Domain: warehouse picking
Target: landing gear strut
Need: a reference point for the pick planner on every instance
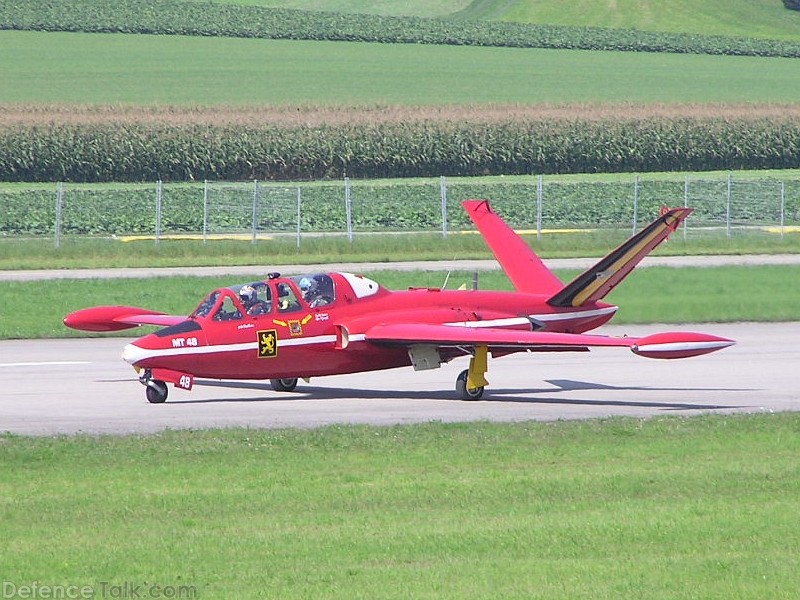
(156, 390)
(284, 385)
(471, 382)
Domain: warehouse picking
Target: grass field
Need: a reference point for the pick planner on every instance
(87, 252)
(765, 18)
(665, 295)
(135, 69)
(664, 508)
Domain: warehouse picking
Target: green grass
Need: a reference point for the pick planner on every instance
(697, 507)
(663, 295)
(138, 69)
(747, 18)
(86, 252)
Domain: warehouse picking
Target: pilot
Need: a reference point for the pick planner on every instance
(309, 289)
(312, 294)
(252, 305)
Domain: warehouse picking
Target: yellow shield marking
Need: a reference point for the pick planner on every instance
(267, 343)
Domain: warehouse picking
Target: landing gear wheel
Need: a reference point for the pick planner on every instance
(463, 391)
(284, 385)
(156, 391)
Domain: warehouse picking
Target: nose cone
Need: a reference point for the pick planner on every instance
(132, 353)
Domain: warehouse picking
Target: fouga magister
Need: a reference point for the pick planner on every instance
(287, 328)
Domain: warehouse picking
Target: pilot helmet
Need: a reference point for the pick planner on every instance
(247, 294)
(307, 284)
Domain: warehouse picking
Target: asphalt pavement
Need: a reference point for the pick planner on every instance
(71, 386)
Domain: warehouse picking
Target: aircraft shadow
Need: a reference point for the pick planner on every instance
(499, 395)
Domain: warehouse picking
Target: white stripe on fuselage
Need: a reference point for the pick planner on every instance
(134, 354)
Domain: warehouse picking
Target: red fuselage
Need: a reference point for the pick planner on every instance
(303, 339)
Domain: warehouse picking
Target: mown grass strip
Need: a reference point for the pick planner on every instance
(76, 252)
(622, 508)
(664, 295)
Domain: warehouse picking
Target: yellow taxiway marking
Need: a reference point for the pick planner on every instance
(786, 229)
(241, 237)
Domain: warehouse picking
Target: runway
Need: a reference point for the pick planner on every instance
(82, 386)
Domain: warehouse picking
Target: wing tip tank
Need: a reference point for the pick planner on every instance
(682, 344)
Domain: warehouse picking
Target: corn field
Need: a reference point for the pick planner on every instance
(136, 151)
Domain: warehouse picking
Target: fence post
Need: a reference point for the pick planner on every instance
(205, 211)
(635, 202)
(348, 209)
(299, 201)
(443, 192)
(783, 206)
(256, 193)
(539, 203)
(728, 206)
(685, 204)
(158, 211)
(59, 205)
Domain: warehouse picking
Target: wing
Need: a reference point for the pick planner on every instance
(116, 318)
(660, 345)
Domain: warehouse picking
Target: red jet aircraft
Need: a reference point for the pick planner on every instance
(285, 328)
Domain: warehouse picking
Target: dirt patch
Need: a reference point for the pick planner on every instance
(304, 116)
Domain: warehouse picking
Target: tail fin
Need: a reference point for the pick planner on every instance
(525, 270)
(599, 280)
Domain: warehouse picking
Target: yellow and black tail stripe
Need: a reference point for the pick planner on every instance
(595, 283)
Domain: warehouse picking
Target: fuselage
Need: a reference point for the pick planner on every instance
(303, 337)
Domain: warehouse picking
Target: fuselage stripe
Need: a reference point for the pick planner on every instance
(134, 354)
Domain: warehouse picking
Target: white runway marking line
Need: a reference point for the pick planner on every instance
(53, 363)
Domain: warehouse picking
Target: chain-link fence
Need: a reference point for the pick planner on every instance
(724, 205)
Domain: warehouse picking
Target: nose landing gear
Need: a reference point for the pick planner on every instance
(156, 390)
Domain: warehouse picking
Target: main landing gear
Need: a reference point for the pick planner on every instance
(156, 390)
(284, 385)
(471, 382)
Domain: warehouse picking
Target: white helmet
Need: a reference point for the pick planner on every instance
(307, 284)
(247, 294)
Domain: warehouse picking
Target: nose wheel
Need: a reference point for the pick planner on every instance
(155, 391)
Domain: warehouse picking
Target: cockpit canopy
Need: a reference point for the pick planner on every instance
(278, 295)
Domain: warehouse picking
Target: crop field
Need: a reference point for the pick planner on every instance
(397, 8)
(76, 68)
(719, 200)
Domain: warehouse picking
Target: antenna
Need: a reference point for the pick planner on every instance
(447, 277)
